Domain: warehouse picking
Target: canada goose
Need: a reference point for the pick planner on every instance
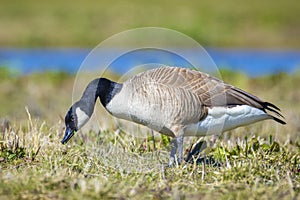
(174, 101)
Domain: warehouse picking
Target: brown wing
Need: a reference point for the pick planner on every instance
(211, 91)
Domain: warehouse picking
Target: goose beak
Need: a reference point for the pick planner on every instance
(68, 134)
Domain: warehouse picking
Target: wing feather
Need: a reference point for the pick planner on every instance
(210, 90)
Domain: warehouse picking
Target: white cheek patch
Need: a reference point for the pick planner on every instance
(82, 118)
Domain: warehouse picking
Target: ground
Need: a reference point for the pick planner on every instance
(260, 161)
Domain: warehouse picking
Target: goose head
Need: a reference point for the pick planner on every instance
(75, 119)
(81, 111)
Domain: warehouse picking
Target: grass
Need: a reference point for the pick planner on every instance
(99, 165)
(257, 161)
(264, 24)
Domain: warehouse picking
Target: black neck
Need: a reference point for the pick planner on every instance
(103, 88)
(107, 89)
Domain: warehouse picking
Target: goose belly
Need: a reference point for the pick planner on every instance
(220, 119)
(144, 113)
(157, 106)
(132, 106)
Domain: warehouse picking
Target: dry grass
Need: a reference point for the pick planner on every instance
(258, 161)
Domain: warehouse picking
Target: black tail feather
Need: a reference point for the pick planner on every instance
(271, 105)
(274, 109)
(254, 101)
(278, 120)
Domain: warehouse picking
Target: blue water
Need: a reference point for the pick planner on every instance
(249, 61)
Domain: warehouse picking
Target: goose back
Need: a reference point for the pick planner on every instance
(167, 99)
(211, 91)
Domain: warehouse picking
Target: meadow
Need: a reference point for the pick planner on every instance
(260, 161)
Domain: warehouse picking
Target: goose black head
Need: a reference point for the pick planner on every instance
(82, 110)
(74, 120)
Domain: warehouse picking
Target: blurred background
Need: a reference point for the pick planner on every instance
(256, 45)
(253, 24)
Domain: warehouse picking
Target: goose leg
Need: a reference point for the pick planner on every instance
(180, 149)
(176, 149)
(173, 152)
